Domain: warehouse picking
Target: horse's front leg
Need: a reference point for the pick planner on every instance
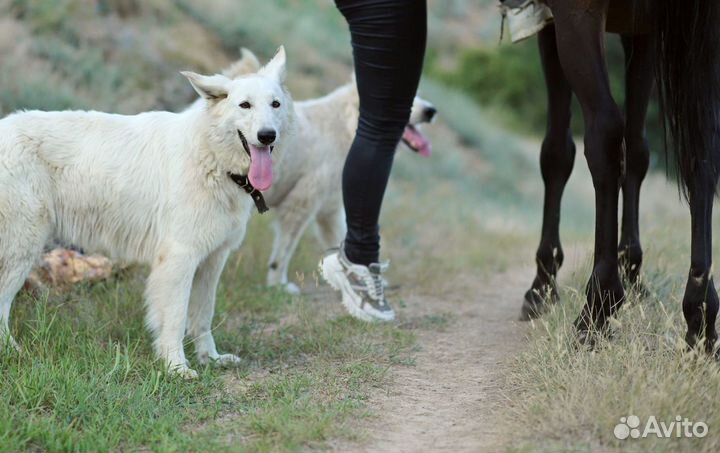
(581, 45)
(557, 157)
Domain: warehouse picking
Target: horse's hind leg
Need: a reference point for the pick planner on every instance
(580, 35)
(700, 303)
(557, 157)
(638, 84)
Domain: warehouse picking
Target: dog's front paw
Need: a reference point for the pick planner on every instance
(184, 372)
(227, 360)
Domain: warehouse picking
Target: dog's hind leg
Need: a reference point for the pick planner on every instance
(293, 216)
(202, 309)
(330, 226)
(557, 157)
(166, 296)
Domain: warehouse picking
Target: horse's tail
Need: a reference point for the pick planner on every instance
(687, 34)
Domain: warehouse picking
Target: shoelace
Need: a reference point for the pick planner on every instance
(374, 284)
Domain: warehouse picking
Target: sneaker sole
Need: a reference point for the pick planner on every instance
(330, 274)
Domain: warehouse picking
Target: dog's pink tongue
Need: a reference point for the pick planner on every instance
(417, 141)
(260, 167)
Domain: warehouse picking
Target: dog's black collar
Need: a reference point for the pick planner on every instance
(256, 195)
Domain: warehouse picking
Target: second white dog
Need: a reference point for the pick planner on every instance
(308, 188)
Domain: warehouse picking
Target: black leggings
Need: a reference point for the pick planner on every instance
(388, 39)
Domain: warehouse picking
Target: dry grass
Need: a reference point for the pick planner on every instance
(570, 398)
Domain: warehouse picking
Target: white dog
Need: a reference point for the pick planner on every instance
(309, 187)
(156, 188)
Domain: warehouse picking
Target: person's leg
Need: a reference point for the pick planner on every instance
(388, 39)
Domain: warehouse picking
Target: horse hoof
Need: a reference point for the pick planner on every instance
(529, 311)
(696, 344)
(592, 338)
(534, 305)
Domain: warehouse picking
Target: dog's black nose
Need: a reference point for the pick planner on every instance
(267, 136)
(429, 113)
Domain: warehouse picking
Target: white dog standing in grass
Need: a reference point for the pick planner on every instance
(308, 189)
(152, 188)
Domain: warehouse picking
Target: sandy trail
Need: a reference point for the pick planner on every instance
(453, 399)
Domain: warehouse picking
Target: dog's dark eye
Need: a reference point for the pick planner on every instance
(275, 104)
(245, 105)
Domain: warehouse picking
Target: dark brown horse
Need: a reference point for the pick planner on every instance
(679, 43)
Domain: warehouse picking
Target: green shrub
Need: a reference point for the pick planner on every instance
(47, 17)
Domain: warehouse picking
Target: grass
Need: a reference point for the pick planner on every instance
(570, 399)
(86, 382)
(82, 384)
(87, 379)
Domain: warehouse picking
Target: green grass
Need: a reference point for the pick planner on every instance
(87, 380)
(81, 383)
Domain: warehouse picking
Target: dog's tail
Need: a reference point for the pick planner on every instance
(687, 34)
(247, 64)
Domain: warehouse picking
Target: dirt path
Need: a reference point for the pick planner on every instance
(452, 399)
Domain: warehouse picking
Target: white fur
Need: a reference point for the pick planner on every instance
(309, 174)
(150, 188)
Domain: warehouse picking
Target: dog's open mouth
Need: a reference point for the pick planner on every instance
(416, 141)
(261, 173)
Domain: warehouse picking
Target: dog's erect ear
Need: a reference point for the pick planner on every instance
(276, 67)
(250, 59)
(247, 64)
(209, 87)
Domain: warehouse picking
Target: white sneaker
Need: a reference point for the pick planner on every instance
(527, 19)
(361, 286)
